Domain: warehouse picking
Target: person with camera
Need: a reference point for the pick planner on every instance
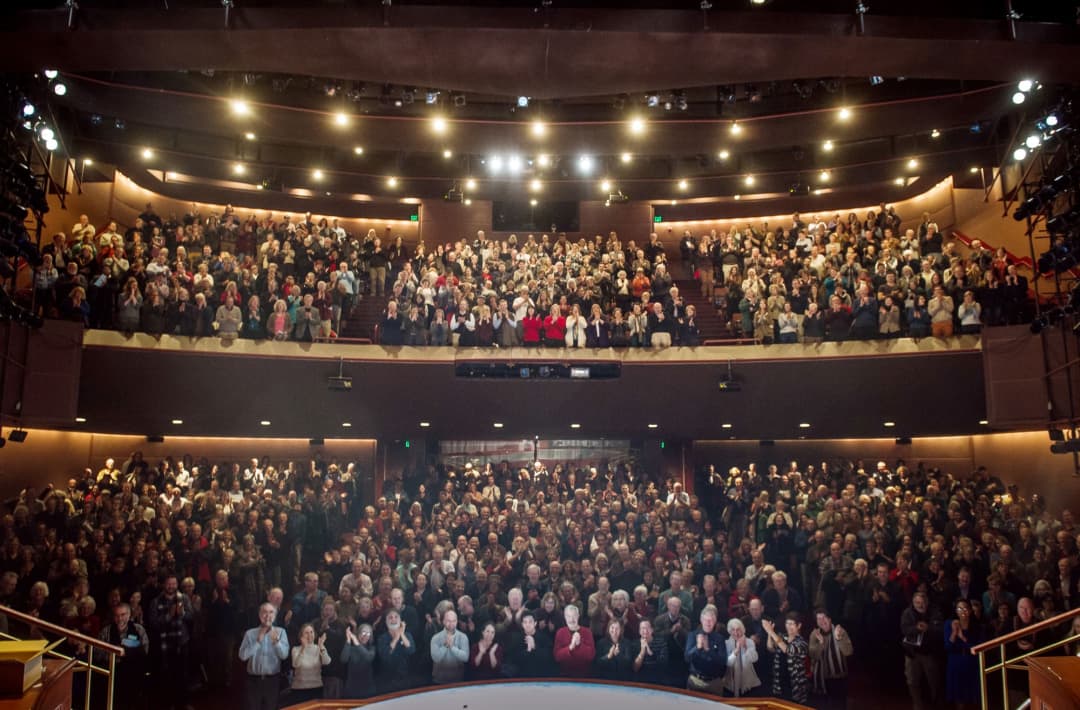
(171, 615)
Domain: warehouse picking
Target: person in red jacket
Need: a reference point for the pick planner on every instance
(530, 328)
(574, 646)
(555, 329)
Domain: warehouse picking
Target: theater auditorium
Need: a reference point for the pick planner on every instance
(540, 353)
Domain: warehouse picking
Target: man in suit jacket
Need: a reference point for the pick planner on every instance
(307, 320)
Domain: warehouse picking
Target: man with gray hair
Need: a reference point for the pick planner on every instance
(263, 649)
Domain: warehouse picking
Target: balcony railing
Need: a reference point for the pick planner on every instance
(996, 649)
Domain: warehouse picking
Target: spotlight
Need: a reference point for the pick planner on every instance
(877, 80)
(523, 102)
(495, 164)
(935, 133)
(900, 181)
(1052, 120)
(47, 134)
(748, 180)
(88, 161)
(1026, 85)
(637, 125)
(535, 185)
(543, 160)
(448, 154)
(724, 154)
(470, 184)
(514, 164)
(683, 185)
(585, 164)
(317, 174)
(51, 74)
(605, 185)
(249, 136)
(1032, 141)
(239, 169)
(626, 157)
(844, 114)
(60, 89)
(240, 107)
(147, 153)
(438, 124)
(538, 128)
(358, 150)
(1019, 154)
(912, 164)
(391, 182)
(28, 110)
(827, 146)
(1019, 97)
(736, 129)
(341, 118)
(119, 123)
(534, 202)
(51, 145)
(825, 176)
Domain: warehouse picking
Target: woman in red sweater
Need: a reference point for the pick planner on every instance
(574, 647)
(555, 329)
(530, 328)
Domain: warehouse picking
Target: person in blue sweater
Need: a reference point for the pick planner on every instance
(706, 655)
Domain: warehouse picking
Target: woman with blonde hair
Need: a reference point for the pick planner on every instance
(575, 328)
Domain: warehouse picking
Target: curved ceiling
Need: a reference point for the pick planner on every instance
(929, 98)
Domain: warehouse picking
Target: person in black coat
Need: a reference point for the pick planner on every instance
(597, 334)
(689, 333)
(529, 652)
(390, 328)
(613, 660)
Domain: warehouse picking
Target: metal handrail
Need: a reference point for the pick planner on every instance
(71, 635)
(1006, 663)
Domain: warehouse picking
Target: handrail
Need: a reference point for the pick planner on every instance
(335, 339)
(1026, 631)
(60, 630)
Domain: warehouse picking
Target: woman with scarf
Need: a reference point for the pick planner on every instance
(830, 647)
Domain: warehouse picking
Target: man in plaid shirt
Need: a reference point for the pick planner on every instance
(170, 620)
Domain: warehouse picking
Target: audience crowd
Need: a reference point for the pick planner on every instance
(298, 279)
(764, 581)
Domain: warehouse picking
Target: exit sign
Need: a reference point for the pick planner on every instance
(658, 218)
(414, 218)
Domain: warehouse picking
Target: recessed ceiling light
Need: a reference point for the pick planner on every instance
(317, 174)
(391, 182)
(265, 422)
(683, 184)
(470, 184)
(1019, 154)
(1019, 97)
(935, 133)
(80, 420)
(497, 425)
(984, 422)
(575, 425)
(543, 160)
(346, 424)
(238, 169)
(1025, 85)
(341, 118)
(438, 124)
(725, 426)
(912, 164)
(736, 129)
(637, 125)
(514, 164)
(467, 202)
(626, 157)
(87, 161)
(534, 202)
(178, 422)
(654, 426)
(585, 164)
(844, 114)
(538, 128)
(448, 154)
(52, 74)
(425, 425)
(749, 180)
(890, 424)
(605, 185)
(825, 176)
(900, 181)
(249, 136)
(804, 425)
(827, 146)
(147, 153)
(737, 197)
(724, 154)
(535, 185)
(240, 107)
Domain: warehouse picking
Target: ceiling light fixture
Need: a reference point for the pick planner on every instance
(265, 422)
(543, 160)
(346, 425)
(724, 154)
(825, 176)
(683, 185)
(341, 118)
(147, 154)
(51, 74)
(438, 124)
(497, 425)
(317, 174)
(575, 425)
(605, 185)
(80, 420)
(538, 128)
(637, 125)
(653, 426)
(535, 185)
(749, 180)
(425, 425)
(1019, 154)
(736, 128)
(240, 107)
(626, 157)
(177, 422)
(844, 114)
(900, 181)
(889, 424)
(448, 154)
(804, 425)
(533, 202)
(585, 164)
(514, 164)
(1019, 97)
(1026, 85)
(495, 164)
(358, 150)
(935, 133)
(912, 164)
(391, 182)
(60, 89)
(249, 136)
(1033, 141)
(827, 146)
(238, 169)
(470, 184)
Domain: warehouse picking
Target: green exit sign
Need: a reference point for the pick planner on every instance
(658, 218)
(414, 218)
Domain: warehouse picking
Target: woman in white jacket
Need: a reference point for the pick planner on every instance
(575, 328)
(740, 677)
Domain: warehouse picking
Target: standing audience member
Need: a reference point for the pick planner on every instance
(262, 651)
